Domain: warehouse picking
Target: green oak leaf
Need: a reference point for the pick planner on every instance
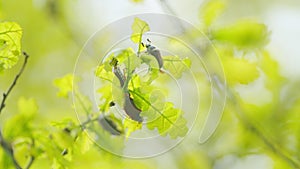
(10, 44)
(170, 121)
(129, 59)
(131, 126)
(104, 73)
(65, 85)
(160, 114)
(139, 27)
(176, 66)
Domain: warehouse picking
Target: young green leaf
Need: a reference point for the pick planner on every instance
(170, 121)
(131, 126)
(239, 71)
(167, 119)
(245, 34)
(106, 97)
(20, 124)
(176, 66)
(83, 143)
(129, 59)
(10, 48)
(103, 73)
(139, 27)
(272, 70)
(65, 85)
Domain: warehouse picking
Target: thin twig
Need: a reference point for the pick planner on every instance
(30, 162)
(4, 144)
(9, 150)
(5, 95)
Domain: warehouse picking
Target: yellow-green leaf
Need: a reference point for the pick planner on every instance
(239, 71)
(10, 46)
(139, 27)
(176, 66)
(169, 121)
(104, 74)
(131, 126)
(272, 70)
(244, 34)
(20, 124)
(65, 85)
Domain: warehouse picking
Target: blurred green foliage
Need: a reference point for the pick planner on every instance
(42, 128)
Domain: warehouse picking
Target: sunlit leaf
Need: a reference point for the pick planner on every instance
(131, 126)
(65, 85)
(63, 139)
(22, 151)
(139, 27)
(176, 66)
(134, 83)
(104, 74)
(169, 121)
(151, 75)
(272, 70)
(243, 34)
(129, 59)
(239, 71)
(20, 124)
(106, 97)
(10, 46)
(83, 143)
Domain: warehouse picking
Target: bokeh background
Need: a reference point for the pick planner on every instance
(54, 32)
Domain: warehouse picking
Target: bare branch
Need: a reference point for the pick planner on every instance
(4, 144)
(9, 150)
(5, 95)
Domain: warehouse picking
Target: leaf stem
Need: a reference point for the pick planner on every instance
(32, 158)
(87, 110)
(82, 125)
(140, 41)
